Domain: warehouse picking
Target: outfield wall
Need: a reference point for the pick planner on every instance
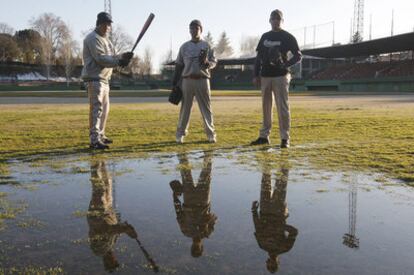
(394, 84)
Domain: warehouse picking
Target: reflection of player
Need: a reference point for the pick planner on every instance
(104, 227)
(193, 214)
(272, 233)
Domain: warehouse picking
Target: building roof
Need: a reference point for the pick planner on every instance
(397, 43)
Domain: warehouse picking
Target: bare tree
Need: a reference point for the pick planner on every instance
(135, 66)
(147, 62)
(4, 28)
(53, 31)
(121, 41)
(248, 46)
(223, 48)
(209, 39)
(68, 50)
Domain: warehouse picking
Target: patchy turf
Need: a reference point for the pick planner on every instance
(368, 134)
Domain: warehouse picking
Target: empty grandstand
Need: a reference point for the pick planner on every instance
(384, 64)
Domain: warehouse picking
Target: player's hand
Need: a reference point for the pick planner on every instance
(127, 55)
(130, 231)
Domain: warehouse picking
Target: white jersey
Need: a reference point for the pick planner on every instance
(189, 57)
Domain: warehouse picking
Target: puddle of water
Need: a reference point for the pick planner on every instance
(205, 213)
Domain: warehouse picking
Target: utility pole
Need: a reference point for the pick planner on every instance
(358, 34)
(350, 239)
(370, 26)
(107, 6)
(108, 9)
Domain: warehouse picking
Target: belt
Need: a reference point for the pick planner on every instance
(195, 76)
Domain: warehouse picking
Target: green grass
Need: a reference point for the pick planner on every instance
(330, 134)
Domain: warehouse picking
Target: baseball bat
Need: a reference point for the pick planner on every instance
(144, 29)
(151, 261)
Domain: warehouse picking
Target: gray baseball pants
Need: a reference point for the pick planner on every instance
(200, 89)
(279, 88)
(98, 93)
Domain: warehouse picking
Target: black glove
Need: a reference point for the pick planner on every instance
(127, 55)
(202, 57)
(175, 97)
(125, 59)
(275, 58)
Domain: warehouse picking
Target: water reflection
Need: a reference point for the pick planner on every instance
(104, 224)
(273, 234)
(194, 211)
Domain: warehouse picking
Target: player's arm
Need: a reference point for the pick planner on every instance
(97, 49)
(297, 55)
(212, 61)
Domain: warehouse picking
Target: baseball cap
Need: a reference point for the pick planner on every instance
(277, 13)
(196, 22)
(103, 17)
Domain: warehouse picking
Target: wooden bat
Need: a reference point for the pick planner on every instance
(144, 29)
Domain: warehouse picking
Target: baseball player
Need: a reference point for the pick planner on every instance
(104, 226)
(272, 73)
(99, 58)
(194, 213)
(194, 62)
(273, 234)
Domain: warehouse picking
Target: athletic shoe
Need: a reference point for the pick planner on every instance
(284, 143)
(179, 140)
(106, 140)
(212, 140)
(98, 146)
(260, 141)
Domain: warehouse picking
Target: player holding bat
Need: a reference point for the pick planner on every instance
(194, 62)
(99, 59)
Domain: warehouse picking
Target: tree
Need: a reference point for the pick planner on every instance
(223, 48)
(147, 62)
(209, 39)
(68, 50)
(29, 42)
(248, 46)
(53, 31)
(135, 66)
(4, 28)
(121, 41)
(167, 71)
(9, 50)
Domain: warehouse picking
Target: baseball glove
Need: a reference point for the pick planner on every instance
(202, 57)
(176, 95)
(275, 57)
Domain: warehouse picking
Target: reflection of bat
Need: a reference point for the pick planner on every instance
(150, 260)
(144, 29)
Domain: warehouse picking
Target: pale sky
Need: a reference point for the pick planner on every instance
(239, 18)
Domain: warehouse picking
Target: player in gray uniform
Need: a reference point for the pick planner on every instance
(104, 225)
(194, 214)
(194, 62)
(99, 59)
(272, 73)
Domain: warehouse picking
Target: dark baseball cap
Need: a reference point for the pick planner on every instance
(196, 22)
(277, 14)
(103, 17)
